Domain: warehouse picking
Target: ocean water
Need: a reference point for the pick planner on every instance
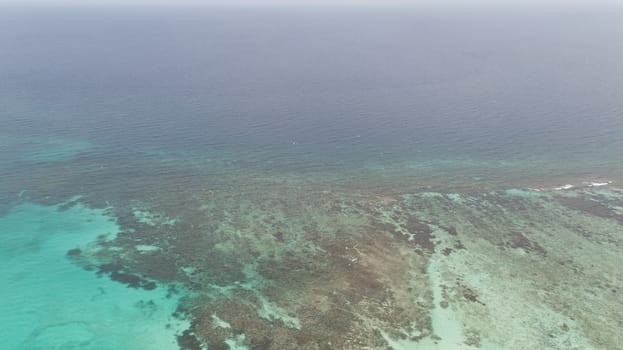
(311, 178)
(50, 303)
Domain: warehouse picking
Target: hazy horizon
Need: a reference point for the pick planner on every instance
(324, 3)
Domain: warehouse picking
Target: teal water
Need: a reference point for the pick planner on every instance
(365, 179)
(48, 302)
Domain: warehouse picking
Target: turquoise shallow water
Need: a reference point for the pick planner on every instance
(48, 302)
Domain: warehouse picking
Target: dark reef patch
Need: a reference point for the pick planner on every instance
(459, 245)
(116, 273)
(68, 205)
(469, 294)
(188, 341)
(279, 236)
(591, 206)
(74, 252)
(519, 240)
(422, 235)
(450, 229)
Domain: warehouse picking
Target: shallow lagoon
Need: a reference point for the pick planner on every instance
(48, 302)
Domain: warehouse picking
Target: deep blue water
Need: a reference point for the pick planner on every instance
(307, 89)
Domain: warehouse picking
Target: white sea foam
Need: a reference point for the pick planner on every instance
(599, 184)
(583, 184)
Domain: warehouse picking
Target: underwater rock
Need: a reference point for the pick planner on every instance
(74, 252)
(188, 341)
(114, 271)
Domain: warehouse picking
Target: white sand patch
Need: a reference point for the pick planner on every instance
(271, 311)
(455, 197)
(217, 322)
(237, 342)
(447, 325)
(152, 219)
(144, 248)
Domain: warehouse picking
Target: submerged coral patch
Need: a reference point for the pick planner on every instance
(291, 275)
(263, 269)
(116, 273)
